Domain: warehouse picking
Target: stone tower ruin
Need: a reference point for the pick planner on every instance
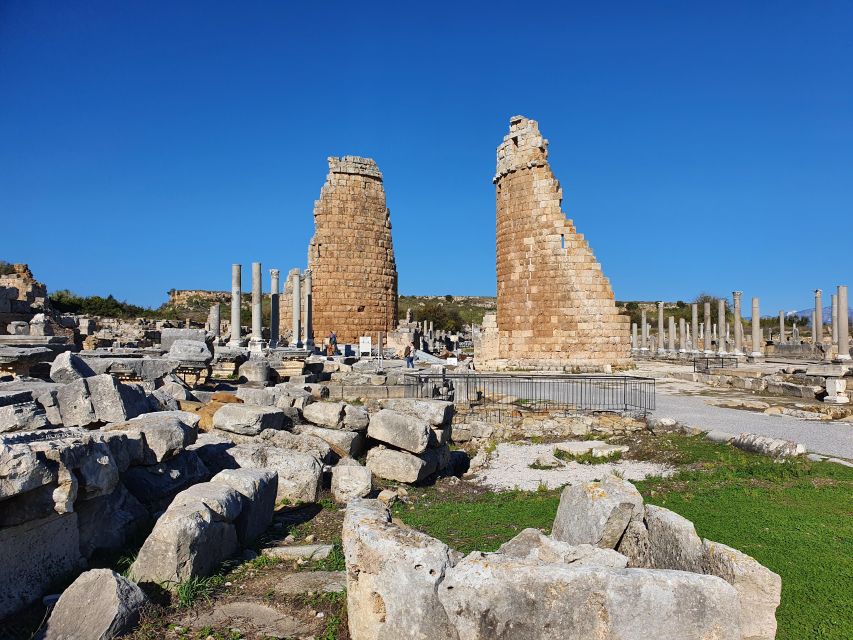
(555, 307)
(351, 256)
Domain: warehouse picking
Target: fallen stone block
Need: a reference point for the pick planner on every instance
(597, 513)
(768, 446)
(759, 589)
(532, 544)
(304, 442)
(68, 367)
(400, 430)
(124, 514)
(351, 481)
(673, 543)
(154, 484)
(164, 434)
(295, 552)
(402, 466)
(99, 605)
(169, 335)
(343, 443)
(355, 418)
(312, 582)
(324, 414)
(34, 556)
(190, 351)
(435, 412)
(258, 488)
(24, 416)
(299, 474)
(719, 436)
(245, 419)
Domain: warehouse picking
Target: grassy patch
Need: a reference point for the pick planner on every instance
(191, 591)
(793, 517)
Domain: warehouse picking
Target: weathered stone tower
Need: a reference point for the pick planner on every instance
(555, 307)
(351, 255)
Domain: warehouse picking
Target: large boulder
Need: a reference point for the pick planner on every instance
(164, 434)
(436, 412)
(356, 418)
(351, 481)
(99, 605)
(304, 442)
(324, 414)
(597, 513)
(246, 419)
(97, 399)
(124, 513)
(168, 336)
(190, 351)
(257, 488)
(68, 367)
(400, 430)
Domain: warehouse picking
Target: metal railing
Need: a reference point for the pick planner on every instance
(704, 364)
(495, 395)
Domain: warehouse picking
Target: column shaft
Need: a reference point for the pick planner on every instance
(274, 306)
(694, 326)
(660, 327)
(721, 326)
(756, 329)
(707, 337)
(309, 311)
(257, 301)
(736, 295)
(236, 295)
(296, 340)
(843, 324)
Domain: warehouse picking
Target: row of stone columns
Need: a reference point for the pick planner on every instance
(256, 341)
(840, 337)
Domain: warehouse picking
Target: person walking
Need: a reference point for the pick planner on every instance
(409, 354)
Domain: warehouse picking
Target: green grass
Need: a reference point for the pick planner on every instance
(793, 517)
(191, 591)
(586, 458)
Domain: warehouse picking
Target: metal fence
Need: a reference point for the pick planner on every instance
(704, 364)
(495, 396)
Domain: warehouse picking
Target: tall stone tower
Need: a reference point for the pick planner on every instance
(555, 307)
(351, 256)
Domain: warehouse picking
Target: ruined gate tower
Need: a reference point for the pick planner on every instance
(555, 307)
(351, 256)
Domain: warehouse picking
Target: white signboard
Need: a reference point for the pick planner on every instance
(364, 346)
(453, 361)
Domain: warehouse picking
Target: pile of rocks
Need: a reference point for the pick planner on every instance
(612, 568)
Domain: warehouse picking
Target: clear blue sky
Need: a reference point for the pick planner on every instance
(701, 146)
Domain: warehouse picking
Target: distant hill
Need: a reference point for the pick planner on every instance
(827, 314)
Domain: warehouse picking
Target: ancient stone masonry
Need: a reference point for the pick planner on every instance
(555, 307)
(351, 256)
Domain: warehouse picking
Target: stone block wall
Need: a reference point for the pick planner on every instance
(351, 255)
(555, 306)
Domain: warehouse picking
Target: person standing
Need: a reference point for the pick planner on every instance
(409, 354)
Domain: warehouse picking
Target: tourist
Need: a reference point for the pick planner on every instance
(409, 354)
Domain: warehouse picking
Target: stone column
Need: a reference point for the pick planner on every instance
(309, 311)
(843, 324)
(296, 339)
(634, 344)
(257, 339)
(756, 329)
(215, 320)
(818, 316)
(694, 326)
(661, 348)
(736, 295)
(274, 302)
(721, 325)
(671, 340)
(707, 335)
(834, 320)
(682, 335)
(644, 326)
(781, 327)
(236, 295)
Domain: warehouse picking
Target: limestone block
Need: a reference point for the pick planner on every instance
(673, 543)
(124, 513)
(248, 419)
(355, 418)
(597, 513)
(532, 544)
(351, 481)
(163, 434)
(436, 412)
(33, 556)
(324, 414)
(153, 483)
(190, 351)
(400, 430)
(110, 604)
(304, 442)
(299, 474)
(343, 443)
(68, 367)
(258, 489)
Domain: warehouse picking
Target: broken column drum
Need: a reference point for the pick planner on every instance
(351, 256)
(555, 307)
(236, 294)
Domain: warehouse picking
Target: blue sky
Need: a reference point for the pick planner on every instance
(701, 146)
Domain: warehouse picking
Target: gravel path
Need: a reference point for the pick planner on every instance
(508, 468)
(826, 438)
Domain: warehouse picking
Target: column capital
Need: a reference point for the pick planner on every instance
(737, 294)
(275, 273)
